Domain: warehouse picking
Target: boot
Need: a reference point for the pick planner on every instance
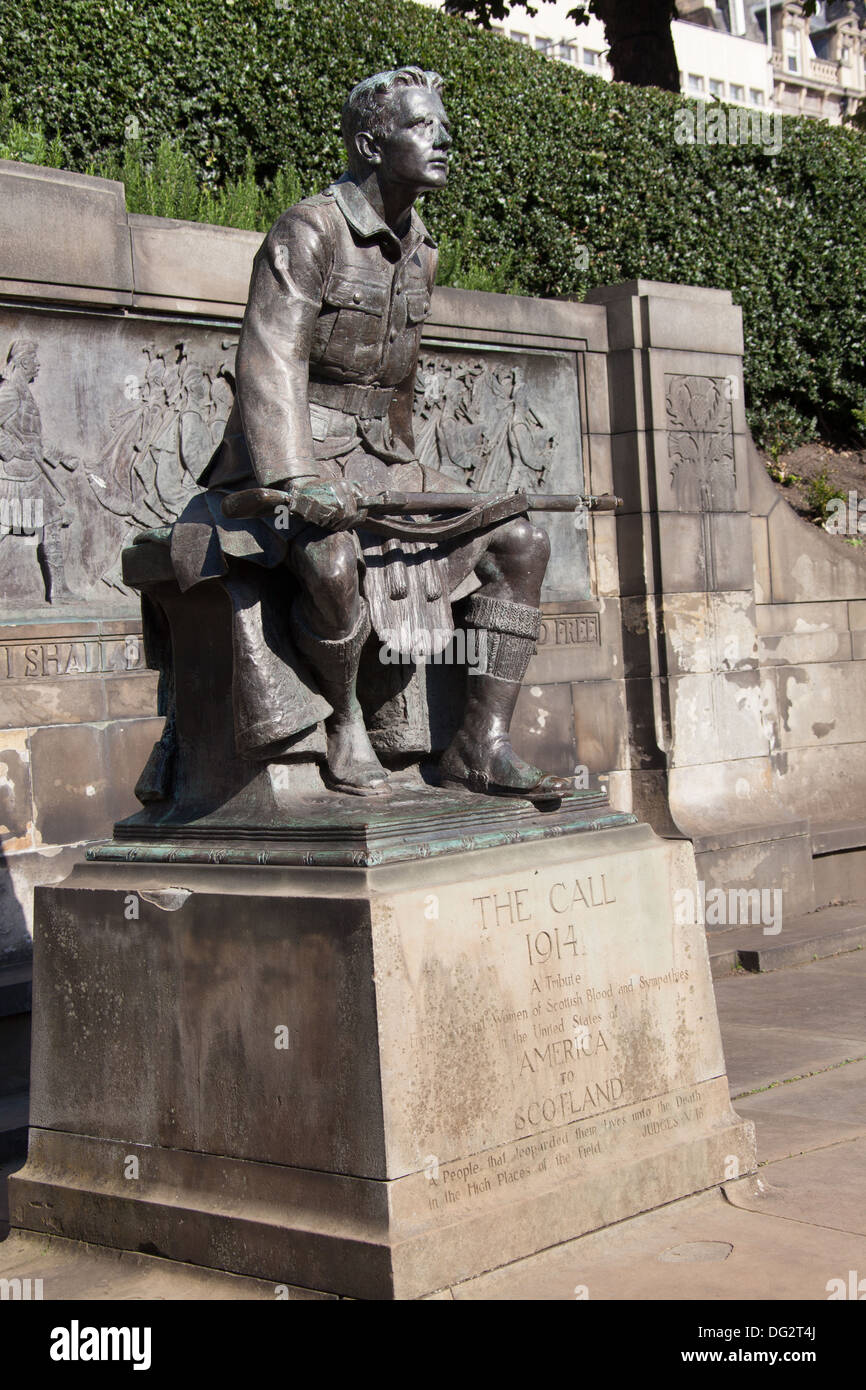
(53, 566)
(352, 766)
(480, 755)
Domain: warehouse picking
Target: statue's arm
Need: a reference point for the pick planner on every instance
(400, 414)
(273, 357)
(403, 404)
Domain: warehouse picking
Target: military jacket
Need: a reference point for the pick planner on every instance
(336, 300)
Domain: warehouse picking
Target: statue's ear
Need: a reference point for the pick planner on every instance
(368, 149)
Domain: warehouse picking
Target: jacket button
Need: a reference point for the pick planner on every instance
(426, 307)
(356, 297)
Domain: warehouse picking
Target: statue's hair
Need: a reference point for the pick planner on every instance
(366, 106)
(22, 347)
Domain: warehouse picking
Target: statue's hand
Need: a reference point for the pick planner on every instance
(331, 505)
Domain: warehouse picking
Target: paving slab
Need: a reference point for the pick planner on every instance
(71, 1271)
(703, 1248)
(826, 996)
(757, 1057)
(793, 1022)
(814, 1113)
(824, 1189)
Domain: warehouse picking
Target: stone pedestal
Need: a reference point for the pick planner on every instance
(374, 1081)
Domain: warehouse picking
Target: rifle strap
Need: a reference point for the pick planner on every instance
(474, 519)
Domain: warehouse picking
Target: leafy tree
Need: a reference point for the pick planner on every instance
(638, 32)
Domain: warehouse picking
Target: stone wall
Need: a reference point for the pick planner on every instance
(703, 647)
(745, 666)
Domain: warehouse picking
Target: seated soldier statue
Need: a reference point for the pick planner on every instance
(325, 384)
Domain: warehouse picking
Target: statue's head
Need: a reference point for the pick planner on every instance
(394, 124)
(22, 354)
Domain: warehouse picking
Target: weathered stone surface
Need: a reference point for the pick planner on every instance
(710, 632)
(819, 704)
(16, 796)
(717, 717)
(514, 1050)
(542, 713)
(775, 866)
(598, 462)
(840, 877)
(807, 564)
(178, 262)
(601, 725)
(18, 875)
(761, 555)
(597, 403)
(798, 633)
(91, 248)
(84, 774)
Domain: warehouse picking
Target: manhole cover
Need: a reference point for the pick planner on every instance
(697, 1251)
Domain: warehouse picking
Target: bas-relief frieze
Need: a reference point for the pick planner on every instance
(103, 434)
(499, 421)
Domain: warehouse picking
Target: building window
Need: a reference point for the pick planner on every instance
(717, 88)
(543, 44)
(738, 93)
(792, 61)
(696, 83)
(846, 55)
(756, 96)
(591, 57)
(518, 38)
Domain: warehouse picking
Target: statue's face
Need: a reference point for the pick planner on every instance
(415, 150)
(29, 366)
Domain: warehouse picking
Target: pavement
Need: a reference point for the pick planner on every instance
(795, 1043)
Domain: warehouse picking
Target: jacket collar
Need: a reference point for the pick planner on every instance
(363, 218)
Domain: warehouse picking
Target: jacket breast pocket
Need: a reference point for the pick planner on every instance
(350, 324)
(417, 306)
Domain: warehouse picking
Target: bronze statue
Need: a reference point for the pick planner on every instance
(326, 369)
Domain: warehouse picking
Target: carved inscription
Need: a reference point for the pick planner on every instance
(570, 630)
(588, 1013)
(84, 656)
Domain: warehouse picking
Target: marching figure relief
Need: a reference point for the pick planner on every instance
(31, 501)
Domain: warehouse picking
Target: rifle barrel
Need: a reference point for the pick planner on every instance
(463, 501)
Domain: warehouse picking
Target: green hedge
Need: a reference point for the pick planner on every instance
(547, 159)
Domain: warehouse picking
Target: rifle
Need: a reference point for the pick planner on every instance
(477, 509)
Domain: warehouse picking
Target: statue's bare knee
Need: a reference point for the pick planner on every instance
(328, 570)
(516, 559)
